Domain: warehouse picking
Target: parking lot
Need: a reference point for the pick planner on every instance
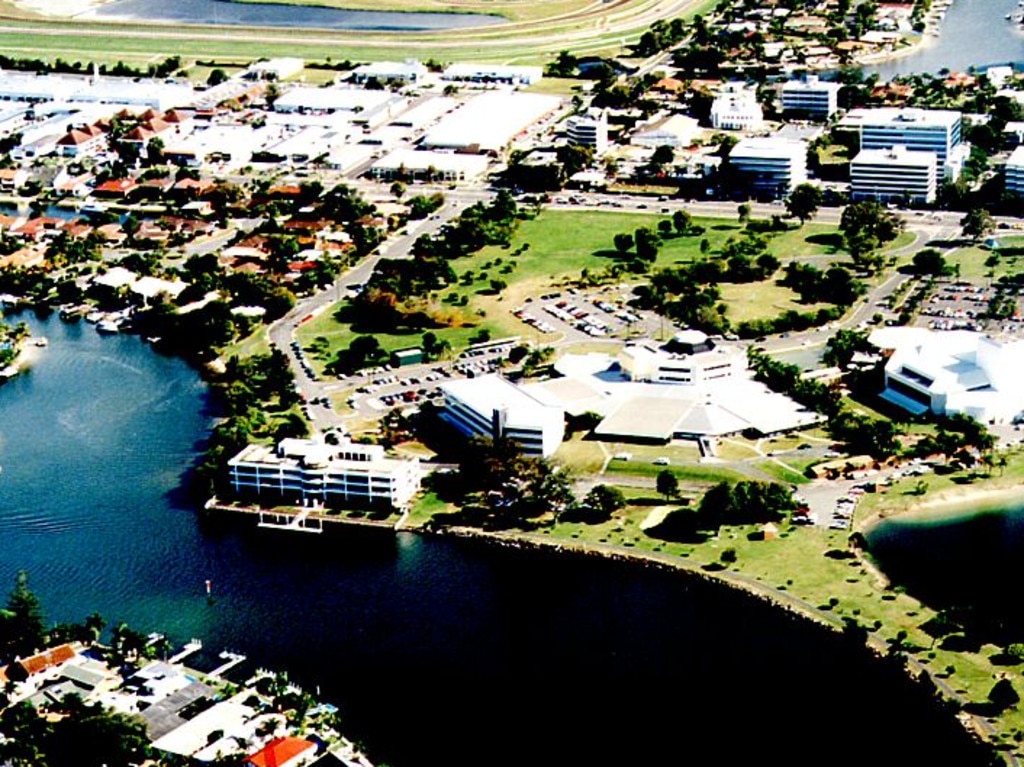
(579, 314)
(965, 306)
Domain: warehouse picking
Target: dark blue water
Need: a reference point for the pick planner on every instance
(437, 651)
(282, 15)
(971, 559)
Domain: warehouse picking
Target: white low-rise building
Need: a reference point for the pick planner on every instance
(675, 131)
(494, 73)
(489, 122)
(410, 164)
(344, 475)
(955, 371)
(689, 358)
(490, 406)
(772, 166)
(409, 71)
(736, 108)
(895, 174)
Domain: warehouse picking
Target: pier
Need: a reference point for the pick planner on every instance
(303, 519)
(232, 659)
(192, 647)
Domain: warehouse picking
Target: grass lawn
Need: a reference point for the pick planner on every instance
(971, 261)
(761, 300)
(780, 472)
(559, 246)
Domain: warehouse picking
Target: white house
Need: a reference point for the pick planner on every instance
(736, 108)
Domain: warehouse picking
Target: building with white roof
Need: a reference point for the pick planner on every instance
(772, 166)
(955, 371)
(491, 406)
(338, 476)
(275, 69)
(1014, 172)
(409, 71)
(589, 129)
(490, 121)
(736, 108)
(812, 98)
(228, 145)
(689, 358)
(365, 107)
(895, 174)
(919, 130)
(675, 131)
(494, 73)
(711, 403)
(430, 166)
(425, 112)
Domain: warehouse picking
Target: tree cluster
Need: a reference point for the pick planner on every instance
(834, 286)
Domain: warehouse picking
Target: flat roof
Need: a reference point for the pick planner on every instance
(490, 120)
(485, 394)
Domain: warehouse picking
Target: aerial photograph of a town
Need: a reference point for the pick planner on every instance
(511, 383)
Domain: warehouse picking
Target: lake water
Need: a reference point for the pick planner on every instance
(438, 651)
(966, 558)
(283, 15)
(973, 33)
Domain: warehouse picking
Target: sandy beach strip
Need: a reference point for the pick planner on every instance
(953, 501)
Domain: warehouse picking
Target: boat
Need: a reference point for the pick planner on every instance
(108, 326)
(41, 341)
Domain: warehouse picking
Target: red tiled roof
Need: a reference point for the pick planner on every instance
(280, 751)
(44, 660)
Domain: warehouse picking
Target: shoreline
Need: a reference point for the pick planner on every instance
(949, 502)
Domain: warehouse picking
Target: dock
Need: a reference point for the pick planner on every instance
(232, 659)
(303, 519)
(193, 646)
(269, 519)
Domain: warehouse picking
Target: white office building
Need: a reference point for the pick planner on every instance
(1014, 172)
(770, 166)
(491, 406)
(956, 371)
(689, 358)
(919, 130)
(736, 108)
(812, 98)
(895, 174)
(338, 476)
(589, 129)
